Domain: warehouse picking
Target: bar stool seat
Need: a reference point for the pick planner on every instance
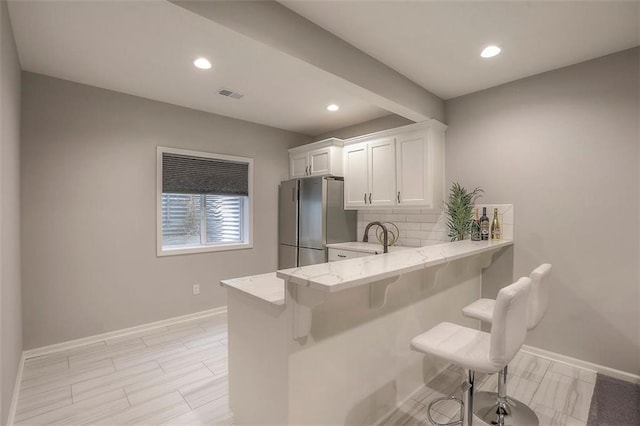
(463, 346)
(481, 309)
(479, 351)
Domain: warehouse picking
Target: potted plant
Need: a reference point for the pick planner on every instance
(459, 210)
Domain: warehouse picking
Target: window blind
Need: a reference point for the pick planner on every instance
(183, 174)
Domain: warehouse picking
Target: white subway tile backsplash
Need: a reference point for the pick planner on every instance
(425, 227)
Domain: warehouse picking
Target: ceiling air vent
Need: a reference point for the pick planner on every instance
(230, 94)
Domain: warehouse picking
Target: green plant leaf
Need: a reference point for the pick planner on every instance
(459, 210)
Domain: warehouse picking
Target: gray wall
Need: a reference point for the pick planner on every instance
(10, 292)
(563, 147)
(371, 126)
(89, 209)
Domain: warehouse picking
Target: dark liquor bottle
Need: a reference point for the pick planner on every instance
(495, 226)
(484, 225)
(475, 227)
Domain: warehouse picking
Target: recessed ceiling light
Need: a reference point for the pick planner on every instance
(490, 51)
(202, 63)
(333, 107)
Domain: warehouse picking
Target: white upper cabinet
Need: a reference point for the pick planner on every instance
(370, 173)
(316, 159)
(298, 165)
(356, 188)
(382, 172)
(404, 168)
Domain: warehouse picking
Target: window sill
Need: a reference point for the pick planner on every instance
(202, 249)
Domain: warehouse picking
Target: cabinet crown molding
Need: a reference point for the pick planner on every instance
(316, 145)
(423, 125)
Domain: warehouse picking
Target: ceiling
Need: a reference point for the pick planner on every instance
(146, 48)
(437, 44)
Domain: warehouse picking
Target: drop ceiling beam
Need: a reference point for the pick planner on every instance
(278, 27)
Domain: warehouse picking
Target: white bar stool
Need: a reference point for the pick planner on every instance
(491, 406)
(478, 351)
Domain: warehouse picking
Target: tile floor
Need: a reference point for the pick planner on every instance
(178, 375)
(175, 374)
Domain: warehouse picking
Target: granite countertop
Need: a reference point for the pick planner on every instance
(336, 276)
(265, 287)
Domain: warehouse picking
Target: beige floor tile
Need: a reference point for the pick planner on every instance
(40, 403)
(108, 352)
(216, 412)
(166, 383)
(410, 413)
(219, 364)
(528, 367)
(152, 412)
(116, 380)
(154, 353)
(193, 356)
(564, 395)
(206, 390)
(46, 382)
(84, 411)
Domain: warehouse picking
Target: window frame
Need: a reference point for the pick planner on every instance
(247, 210)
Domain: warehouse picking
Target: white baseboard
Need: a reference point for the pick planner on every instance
(16, 393)
(46, 350)
(574, 362)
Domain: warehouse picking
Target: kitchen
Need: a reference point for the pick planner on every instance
(96, 149)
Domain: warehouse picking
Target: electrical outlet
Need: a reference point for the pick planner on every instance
(196, 289)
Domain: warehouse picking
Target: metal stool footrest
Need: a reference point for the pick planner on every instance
(445, 398)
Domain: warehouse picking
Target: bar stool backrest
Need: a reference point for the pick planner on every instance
(509, 326)
(539, 295)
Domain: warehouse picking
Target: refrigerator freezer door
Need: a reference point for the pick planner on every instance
(287, 256)
(288, 213)
(312, 256)
(311, 213)
(341, 224)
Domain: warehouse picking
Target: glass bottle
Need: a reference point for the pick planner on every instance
(484, 225)
(475, 227)
(495, 226)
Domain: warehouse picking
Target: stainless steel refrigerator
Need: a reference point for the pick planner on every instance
(312, 215)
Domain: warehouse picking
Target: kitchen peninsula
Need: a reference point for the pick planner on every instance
(329, 343)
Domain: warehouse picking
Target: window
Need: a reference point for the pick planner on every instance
(204, 202)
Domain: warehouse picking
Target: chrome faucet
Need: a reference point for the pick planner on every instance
(385, 233)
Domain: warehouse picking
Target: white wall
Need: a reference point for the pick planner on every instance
(10, 292)
(563, 147)
(89, 209)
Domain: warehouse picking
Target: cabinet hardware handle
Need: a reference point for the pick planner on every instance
(398, 197)
(306, 170)
(341, 255)
(365, 198)
(369, 198)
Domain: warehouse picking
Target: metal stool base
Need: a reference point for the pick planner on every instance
(485, 406)
(445, 398)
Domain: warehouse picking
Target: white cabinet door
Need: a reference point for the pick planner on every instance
(382, 172)
(356, 187)
(412, 164)
(320, 161)
(298, 165)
